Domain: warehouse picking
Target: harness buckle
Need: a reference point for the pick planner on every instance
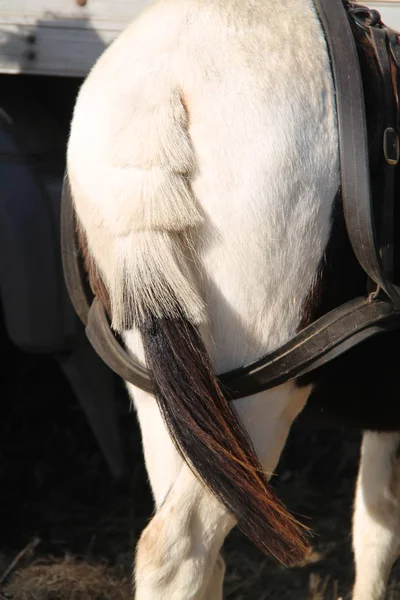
(391, 146)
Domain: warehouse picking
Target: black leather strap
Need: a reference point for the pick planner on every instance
(321, 342)
(110, 348)
(353, 146)
(389, 157)
(73, 272)
(330, 336)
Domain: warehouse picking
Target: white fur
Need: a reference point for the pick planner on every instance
(260, 151)
(203, 163)
(376, 523)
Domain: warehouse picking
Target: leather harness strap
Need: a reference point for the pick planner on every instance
(351, 323)
(353, 146)
(74, 275)
(383, 40)
(327, 338)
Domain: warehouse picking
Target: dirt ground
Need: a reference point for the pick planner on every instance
(78, 527)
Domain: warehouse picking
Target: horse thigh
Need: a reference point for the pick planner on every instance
(376, 521)
(268, 417)
(163, 461)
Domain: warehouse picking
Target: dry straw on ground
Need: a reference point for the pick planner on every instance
(68, 579)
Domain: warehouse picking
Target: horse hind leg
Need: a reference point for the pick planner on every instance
(376, 521)
(179, 548)
(214, 590)
(177, 554)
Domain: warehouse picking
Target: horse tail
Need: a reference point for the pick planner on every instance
(153, 288)
(207, 433)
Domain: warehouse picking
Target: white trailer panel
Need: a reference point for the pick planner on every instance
(389, 9)
(60, 37)
(65, 37)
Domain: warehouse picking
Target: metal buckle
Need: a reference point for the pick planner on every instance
(391, 146)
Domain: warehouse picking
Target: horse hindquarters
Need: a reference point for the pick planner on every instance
(205, 199)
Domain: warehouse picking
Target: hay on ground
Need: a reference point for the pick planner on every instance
(68, 579)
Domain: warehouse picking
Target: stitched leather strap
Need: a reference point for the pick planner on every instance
(327, 338)
(390, 156)
(354, 164)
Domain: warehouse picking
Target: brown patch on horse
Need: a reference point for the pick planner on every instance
(185, 104)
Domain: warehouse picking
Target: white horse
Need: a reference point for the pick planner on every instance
(203, 163)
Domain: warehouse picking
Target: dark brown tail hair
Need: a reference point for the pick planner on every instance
(206, 431)
(209, 436)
